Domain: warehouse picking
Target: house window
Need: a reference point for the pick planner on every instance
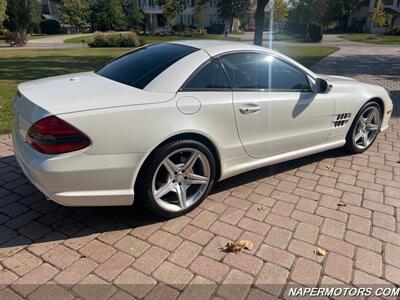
(215, 19)
(388, 2)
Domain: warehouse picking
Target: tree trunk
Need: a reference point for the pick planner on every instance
(259, 20)
(231, 25)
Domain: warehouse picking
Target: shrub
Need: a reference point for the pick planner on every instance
(127, 39)
(393, 31)
(315, 32)
(15, 39)
(50, 26)
(192, 32)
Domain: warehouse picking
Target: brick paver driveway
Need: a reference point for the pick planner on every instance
(287, 211)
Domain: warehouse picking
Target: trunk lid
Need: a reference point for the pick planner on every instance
(81, 92)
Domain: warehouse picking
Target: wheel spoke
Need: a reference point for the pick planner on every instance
(372, 127)
(358, 136)
(365, 139)
(165, 189)
(370, 117)
(191, 161)
(170, 166)
(181, 193)
(192, 178)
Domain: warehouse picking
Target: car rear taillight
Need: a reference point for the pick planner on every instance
(52, 135)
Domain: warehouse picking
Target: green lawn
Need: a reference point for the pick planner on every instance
(372, 38)
(152, 39)
(23, 65)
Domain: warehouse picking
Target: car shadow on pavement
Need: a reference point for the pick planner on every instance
(28, 218)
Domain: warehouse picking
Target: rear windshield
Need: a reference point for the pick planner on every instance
(139, 67)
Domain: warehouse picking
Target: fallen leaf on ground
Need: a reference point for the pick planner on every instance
(238, 246)
(320, 252)
(261, 208)
(342, 204)
(328, 167)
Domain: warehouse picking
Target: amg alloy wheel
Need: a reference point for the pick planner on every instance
(179, 176)
(365, 128)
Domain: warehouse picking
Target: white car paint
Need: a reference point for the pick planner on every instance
(126, 124)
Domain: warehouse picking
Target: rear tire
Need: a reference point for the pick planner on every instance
(365, 128)
(176, 178)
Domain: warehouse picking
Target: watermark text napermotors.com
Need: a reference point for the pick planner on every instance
(343, 292)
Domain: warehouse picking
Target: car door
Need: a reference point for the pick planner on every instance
(276, 111)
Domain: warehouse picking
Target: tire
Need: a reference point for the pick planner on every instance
(355, 145)
(164, 171)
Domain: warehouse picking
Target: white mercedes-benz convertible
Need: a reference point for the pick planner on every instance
(164, 122)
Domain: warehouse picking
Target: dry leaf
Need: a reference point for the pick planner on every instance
(261, 208)
(320, 252)
(342, 204)
(238, 246)
(328, 167)
(246, 244)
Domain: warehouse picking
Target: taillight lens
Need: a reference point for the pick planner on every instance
(52, 135)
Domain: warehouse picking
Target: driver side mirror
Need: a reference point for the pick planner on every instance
(322, 86)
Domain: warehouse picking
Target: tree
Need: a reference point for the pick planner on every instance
(170, 11)
(259, 20)
(279, 9)
(198, 9)
(232, 9)
(134, 15)
(22, 16)
(379, 17)
(107, 15)
(74, 12)
(3, 6)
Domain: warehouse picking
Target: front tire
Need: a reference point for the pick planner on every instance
(176, 178)
(365, 128)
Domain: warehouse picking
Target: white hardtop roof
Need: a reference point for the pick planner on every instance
(215, 47)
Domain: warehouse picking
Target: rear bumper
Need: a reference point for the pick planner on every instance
(77, 179)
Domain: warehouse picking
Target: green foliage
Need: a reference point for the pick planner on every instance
(198, 9)
(379, 17)
(118, 40)
(107, 15)
(75, 12)
(232, 9)
(134, 15)
(3, 6)
(22, 15)
(170, 10)
(50, 27)
(315, 32)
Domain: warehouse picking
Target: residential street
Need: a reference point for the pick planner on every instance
(348, 206)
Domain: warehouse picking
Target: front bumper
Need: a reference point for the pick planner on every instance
(78, 179)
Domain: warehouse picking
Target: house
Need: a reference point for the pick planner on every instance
(361, 18)
(50, 9)
(155, 13)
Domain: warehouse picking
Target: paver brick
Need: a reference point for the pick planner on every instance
(278, 237)
(236, 285)
(22, 262)
(276, 256)
(209, 268)
(339, 267)
(135, 283)
(173, 275)
(244, 262)
(306, 272)
(359, 224)
(76, 272)
(369, 261)
(272, 279)
(333, 228)
(132, 245)
(185, 253)
(61, 256)
(306, 232)
(114, 266)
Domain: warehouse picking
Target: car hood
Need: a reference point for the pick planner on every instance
(85, 91)
(334, 79)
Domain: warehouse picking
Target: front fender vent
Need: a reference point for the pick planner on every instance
(341, 119)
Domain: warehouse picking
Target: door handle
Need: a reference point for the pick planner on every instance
(250, 109)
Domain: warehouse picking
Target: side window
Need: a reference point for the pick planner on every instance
(211, 76)
(260, 71)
